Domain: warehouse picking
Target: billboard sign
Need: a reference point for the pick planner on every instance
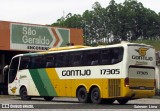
(34, 38)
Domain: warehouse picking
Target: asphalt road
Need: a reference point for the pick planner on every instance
(70, 104)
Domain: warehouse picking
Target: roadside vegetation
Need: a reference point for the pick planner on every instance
(154, 43)
(128, 21)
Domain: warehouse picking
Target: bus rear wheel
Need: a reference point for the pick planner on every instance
(82, 95)
(47, 98)
(23, 94)
(95, 95)
(123, 101)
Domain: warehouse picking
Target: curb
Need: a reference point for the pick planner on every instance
(7, 96)
(156, 97)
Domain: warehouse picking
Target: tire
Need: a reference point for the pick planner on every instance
(23, 94)
(95, 96)
(47, 98)
(123, 101)
(82, 95)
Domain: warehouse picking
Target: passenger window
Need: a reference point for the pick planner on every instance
(24, 64)
(62, 60)
(76, 59)
(92, 58)
(117, 55)
(50, 61)
(105, 57)
(37, 62)
(111, 56)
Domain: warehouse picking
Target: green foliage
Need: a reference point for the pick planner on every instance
(154, 43)
(128, 21)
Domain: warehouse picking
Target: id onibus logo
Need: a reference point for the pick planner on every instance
(142, 51)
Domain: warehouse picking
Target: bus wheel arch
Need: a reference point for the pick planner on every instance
(82, 95)
(23, 93)
(95, 94)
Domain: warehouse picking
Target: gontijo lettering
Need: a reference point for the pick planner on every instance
(142, 58)
(86, 72)
(142, 54)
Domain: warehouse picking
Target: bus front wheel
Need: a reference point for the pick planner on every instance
(82, 95)
(23, 94)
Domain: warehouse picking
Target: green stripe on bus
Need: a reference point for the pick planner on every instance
(38, 82)
(46, 81)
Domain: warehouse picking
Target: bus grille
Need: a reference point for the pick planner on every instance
(114, 87)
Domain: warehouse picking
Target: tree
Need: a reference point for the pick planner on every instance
(127, 21)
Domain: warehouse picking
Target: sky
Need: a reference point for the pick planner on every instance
(48, 11)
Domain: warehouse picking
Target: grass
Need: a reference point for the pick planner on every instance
(154, 43)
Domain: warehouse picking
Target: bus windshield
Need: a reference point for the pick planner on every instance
(13, 69)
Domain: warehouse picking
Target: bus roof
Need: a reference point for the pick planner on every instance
(68, 48)
(80, 47)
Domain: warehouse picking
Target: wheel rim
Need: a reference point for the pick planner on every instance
(95, 95)
(24, 94)
(82, 95)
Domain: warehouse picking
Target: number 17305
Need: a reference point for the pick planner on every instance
(109, 71)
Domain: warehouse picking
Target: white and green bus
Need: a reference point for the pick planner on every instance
(119, 72)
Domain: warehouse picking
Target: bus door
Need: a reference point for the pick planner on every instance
(13, 82)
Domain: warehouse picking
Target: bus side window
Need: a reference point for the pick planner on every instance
(92, 58)
(76, 59)
(62, 60)
(111, 56)
(105, 57)
(117, 55)
(37, 62)
(24, 64)
(50, 61)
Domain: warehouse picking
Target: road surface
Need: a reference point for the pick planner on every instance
(70, 104)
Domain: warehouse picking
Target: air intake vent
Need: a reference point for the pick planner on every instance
(114, 87)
